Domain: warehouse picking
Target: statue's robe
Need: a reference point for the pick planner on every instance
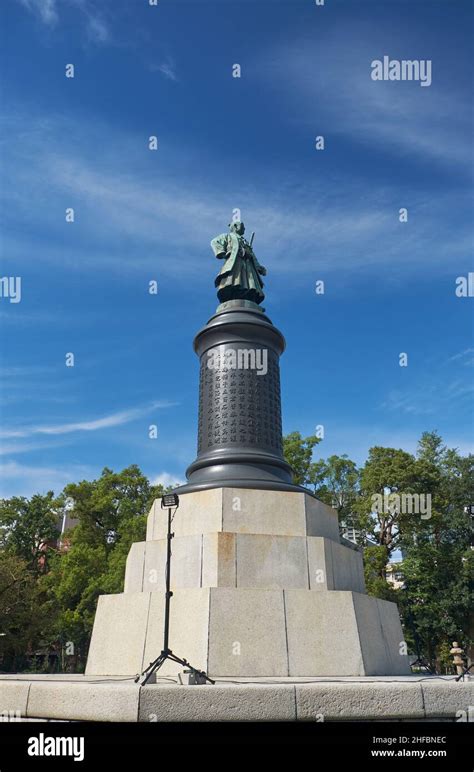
(239, 277)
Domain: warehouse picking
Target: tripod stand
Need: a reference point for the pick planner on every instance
(420, 662)
(464, 672)
(169, 501)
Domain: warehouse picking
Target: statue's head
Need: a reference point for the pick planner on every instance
(237, 227)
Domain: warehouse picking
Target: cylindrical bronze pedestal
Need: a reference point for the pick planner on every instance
(239, 435)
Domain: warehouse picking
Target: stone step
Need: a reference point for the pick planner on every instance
(245, 560)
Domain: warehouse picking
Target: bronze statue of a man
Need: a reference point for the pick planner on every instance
(239, 277)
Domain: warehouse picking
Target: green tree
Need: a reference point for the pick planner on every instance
(336, 482)
(29, 528)
(375, 564)
(298, 451)
(387, 471)
(437, 598)
(22, 623)
(438, 562)
(111, 513)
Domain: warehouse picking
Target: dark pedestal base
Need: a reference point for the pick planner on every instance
(239, 437)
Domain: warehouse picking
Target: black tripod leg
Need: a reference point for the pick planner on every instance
(185, 663)
(152, 668)
(465, 672)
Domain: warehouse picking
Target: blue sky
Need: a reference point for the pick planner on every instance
(226, 143)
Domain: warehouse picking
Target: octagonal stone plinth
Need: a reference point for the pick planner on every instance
(262, 586)
(250, 632)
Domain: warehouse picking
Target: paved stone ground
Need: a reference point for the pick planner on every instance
(378, 698)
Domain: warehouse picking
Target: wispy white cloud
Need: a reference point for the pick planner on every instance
(328, 88)
(24, 371)
(465, 357)
(166, 479)
(97, 29)
(408, 402)
(464, 447)
(430, 397)
(114, 419)
(22, 319)
(25, 480)
(46, 10)
(15, 448)
(167, 68)
(339, 225)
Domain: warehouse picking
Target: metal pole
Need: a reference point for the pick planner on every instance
(168, 584)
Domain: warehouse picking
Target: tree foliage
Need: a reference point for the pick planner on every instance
(29, 528)
(298, 451)
(432, 545)
(62, 592)
(336, 482)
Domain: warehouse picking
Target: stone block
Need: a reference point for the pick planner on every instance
(320, 564)
(154, 565)
(245, 510)
(321, 520)
(84, 701)
(185, 563)
(134, 567)
(271, 562)
(189, 629)
(198, 513)
(342, 633)
(119, 634)
(334, 566)
(219, 568)
(358, 572)
(322, 634)
(247, 633)
(217, 703)
(342, 566)
(381, 636)
(279, 513)
(351, 701)
(245, 560)
(393, 637)
(449, 699)
(13, 698)
(146, 564)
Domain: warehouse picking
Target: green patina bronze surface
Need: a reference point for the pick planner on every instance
(240, 276)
